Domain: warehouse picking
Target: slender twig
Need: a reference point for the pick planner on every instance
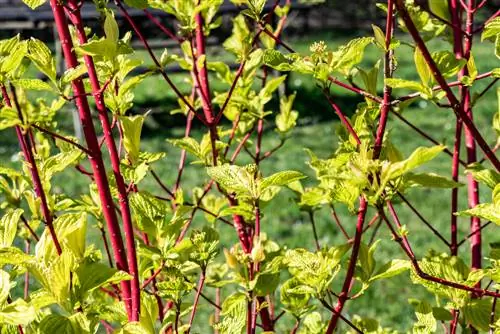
(313, 224)
(493, 313)
(196, 299)
(153, 57)
(96, 160)
(457, 107)
(339, 223)
(97, 92)
(342, 117)
(27, 149)
(29, 228)
(343, 296)
(158, 23)
(347, 321)
(471, 234)
(58, 136)
(438, 88)
(161, 184)
(241, 145)
(426, 135)
(405, 246)
(425, 221)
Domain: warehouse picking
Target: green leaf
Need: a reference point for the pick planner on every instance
(33, 84)
(139, 4)
(41, 56)
(55, 323)
(486, 211)
(405, 84)
(379, 36)
(281, 179)
(440, 8)
(431, 180)
(235, 178)
(132, 128)
(423, 69)
(111, 27)
(233, 312)
(17, 313)
(188, 144)
(487, 176)
(13, 256)
(70, 230)
(95, 275)
(8, 227)
(275, 59)
(13, 60)
(256, 6)
(426, 323)
(492, 29)
(34, 4)
(420, 156)
(134, 328)
(287, 118)
(239, 43)
(5, 286)
(271, 85)
(477, 312)
(99, 47)
(390, 269)
(350, 54)
(149, 211)
(74, 73)
(8, 118)
(54, 275)
(447, 63)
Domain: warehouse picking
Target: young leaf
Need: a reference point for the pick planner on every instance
(132, 128)
(41, 56)
(426, 323)
(111, 27)
(431, 180)
(486, 211)
(492, 29)
(420, 156)
(423, 69)
(447, 63)
(33, 84)
(379, 36)
(390, 269)
(280, 179)
(8, 227)
(34, 4)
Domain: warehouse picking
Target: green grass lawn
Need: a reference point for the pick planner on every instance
(282, 220)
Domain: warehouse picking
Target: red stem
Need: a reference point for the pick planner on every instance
(182, 160)
(343, 296)
(472, 184)
(95, 157)
(204, 89)
(455, 170)
(385, 108)
(426, 136)
(343, 118)
(27, 148)
(403, 242)
(425, 221)
(201, 281)
(162, 27)
(455, 104)
(115, 165)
